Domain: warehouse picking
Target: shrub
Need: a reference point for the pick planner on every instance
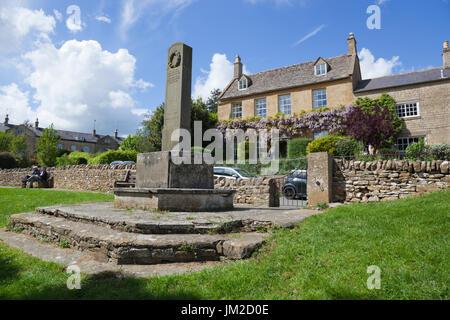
(440, 151)
(64, 160)
(297, 148)
(417, 151)
(7, 160)
(111, 156)
(324, 144)
(22, 162)
(347, 147)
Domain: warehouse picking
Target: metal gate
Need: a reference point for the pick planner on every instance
(293, 190)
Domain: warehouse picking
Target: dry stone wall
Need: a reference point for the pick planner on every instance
(384, 180)
(257, 192)
(81, 178)
(262, 191)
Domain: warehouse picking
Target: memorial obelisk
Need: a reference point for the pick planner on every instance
(177, 108)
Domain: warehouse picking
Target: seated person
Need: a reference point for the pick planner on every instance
(34, 173)
(42, 176)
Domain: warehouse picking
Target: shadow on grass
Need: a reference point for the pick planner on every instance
(104, 286)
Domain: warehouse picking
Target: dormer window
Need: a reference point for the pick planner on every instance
(243, 84)
(320, 69)
(79, 138)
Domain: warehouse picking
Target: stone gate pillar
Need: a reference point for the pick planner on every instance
(320, 178)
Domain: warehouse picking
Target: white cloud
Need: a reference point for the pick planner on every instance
(220, 74)
(16, 23)
(80, 82)
(309, 35)
(58, 15)
(103, 19)
(15, 102)
(154, 10)
(371, 68)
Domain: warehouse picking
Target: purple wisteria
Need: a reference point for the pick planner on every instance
(333, 121)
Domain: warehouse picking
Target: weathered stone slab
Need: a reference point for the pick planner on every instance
(123, 247)
(157, 170)
(242, 219)
(174, 199)
(89, 264)
(320, 178)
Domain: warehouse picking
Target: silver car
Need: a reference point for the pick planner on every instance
(233, 173)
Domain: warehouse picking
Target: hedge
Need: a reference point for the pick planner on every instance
(297, 148)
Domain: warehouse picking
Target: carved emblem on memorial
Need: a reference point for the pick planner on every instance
(175, 59)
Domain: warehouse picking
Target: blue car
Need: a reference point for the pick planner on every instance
(295, 185)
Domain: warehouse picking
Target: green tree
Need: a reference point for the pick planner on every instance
(47, 147)
(19, 145)
(129, 144)
(149, 137)
(213, 101)
(6, 139)
(385, 100)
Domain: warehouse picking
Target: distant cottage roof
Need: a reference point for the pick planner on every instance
(297, 75)
(67, 135)
(422, 76)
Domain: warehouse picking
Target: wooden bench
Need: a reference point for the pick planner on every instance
(49, 184)
(130, 181)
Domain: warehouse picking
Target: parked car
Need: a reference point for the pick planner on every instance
(236, 173)
(295, 185)
(115, 163)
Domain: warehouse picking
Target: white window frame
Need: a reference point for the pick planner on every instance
(241, 83)
(405, 104)
(318, 69)
(234, 113)
(326, 98)
(258, 107)
(321, 134)
(284, 105)
(410, 141)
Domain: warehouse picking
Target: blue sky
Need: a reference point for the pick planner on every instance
(110, 65)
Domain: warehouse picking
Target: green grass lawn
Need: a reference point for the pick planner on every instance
(26, 200)
(326, 257)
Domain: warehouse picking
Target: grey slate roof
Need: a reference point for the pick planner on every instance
(290, 77)
(398, 80)
(70, 135)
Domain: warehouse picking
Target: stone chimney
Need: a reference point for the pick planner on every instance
(116, 134)
(237, 67)
(352, 45)
(36, 123)
(446, 55)
(6, 120)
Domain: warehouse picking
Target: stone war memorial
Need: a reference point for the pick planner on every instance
(173, 215)
(160, 183)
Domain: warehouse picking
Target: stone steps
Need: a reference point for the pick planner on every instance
(145, 222)
(133, 248)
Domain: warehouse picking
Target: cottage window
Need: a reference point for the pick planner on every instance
(407, 110)
(321, 69)
(260, 108)
(236, 110)
(243, 84)
(86, 149)
(284, 104)
(319, 98)
(403, 143)
(74, 148)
